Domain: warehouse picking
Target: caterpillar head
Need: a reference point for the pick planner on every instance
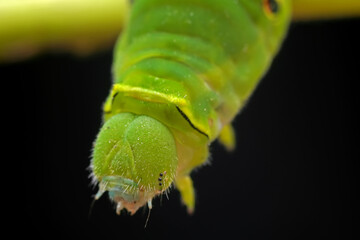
(134, 159)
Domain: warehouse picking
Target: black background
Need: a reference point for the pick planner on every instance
(292, 175)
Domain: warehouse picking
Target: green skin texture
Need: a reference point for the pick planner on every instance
(190, 66)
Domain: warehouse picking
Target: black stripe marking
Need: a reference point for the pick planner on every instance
(191, 124)
(112, 102)
(113, 98)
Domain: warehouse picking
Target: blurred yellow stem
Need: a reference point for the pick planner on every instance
(83, 26)
(80, 26)
(325, 9)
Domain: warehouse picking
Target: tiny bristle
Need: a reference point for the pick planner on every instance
(93, 180)
(166, 192)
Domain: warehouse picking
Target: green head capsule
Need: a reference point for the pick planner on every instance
(134, 159)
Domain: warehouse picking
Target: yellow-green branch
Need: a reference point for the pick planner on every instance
(325, 9)
(84, 26)
(80, 26)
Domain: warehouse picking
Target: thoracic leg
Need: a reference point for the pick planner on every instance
(185, 186)
(227, 137)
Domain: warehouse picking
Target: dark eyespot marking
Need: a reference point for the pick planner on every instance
(191, 124)
(271, 6)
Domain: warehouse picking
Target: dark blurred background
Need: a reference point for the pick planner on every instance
(292, 175)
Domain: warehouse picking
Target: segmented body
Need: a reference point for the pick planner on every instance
(191, 65)
(199, 59)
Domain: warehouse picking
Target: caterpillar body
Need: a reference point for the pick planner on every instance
(182, 71)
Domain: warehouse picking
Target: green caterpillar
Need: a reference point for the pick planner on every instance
(182, 71)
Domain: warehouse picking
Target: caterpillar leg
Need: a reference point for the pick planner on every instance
(227, 137)
(185, 185)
